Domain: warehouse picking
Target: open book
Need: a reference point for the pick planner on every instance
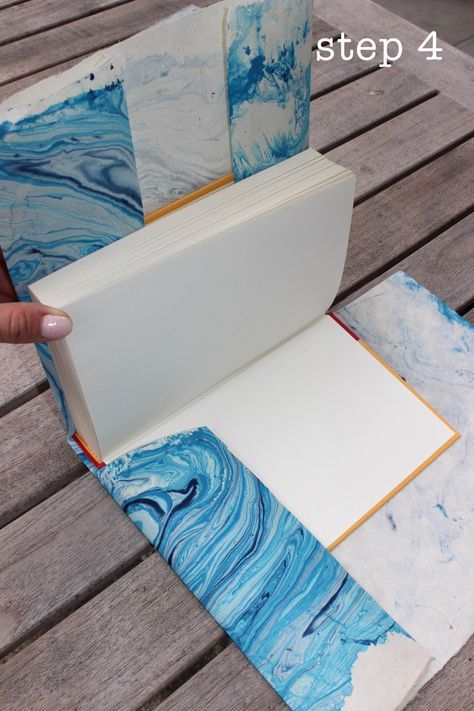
(210, 322)
(214, 315)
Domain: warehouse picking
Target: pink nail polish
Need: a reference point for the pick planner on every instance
(55, 327)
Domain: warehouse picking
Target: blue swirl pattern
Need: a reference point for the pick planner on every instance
(68, 183)
(268, 82)
(285, 601)
(175, 83)
(68, 186)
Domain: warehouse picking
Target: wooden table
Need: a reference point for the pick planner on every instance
(90, 616)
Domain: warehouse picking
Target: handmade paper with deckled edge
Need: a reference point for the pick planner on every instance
(307, 626)
(415, 554)
(176, 92)
(268, 82)
(68, 185)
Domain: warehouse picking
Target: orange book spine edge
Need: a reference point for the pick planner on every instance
(88, 451)
(195, 195)
(394, 491)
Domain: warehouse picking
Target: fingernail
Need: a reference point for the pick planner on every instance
(54, 327)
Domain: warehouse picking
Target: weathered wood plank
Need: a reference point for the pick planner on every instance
(36, 16)
(322, 29)
(12, 87)
(326, 76)
(400, 145)
(36, 460)
(85, 539)
(9, 3)
(20, 372)
(407, 213)
(117, 650)
(444, 265)
(80, 37)
(228, 682)
(337, 73)
(372, 99)
(62, 43)
(452, 689)
(453, 75)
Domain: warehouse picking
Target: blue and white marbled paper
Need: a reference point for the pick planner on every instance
(415, 554)
(306, 625)
(176, 93)
(268, 82)
(178, 96)
(68, 184)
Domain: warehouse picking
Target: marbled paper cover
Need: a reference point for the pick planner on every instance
(317, 637)
(268, 82)
(68, 184)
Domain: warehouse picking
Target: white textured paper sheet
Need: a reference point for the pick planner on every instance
(415, 554)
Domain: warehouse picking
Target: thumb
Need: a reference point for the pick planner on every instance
(23, 322)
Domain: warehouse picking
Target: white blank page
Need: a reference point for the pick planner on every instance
(328, 428)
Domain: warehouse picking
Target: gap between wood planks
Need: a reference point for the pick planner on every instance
(75, 604)
(344, 295)
(375, 124)
(26, 396)
(466, 308)
(4, 4)
(73, 13)
(156, 699)
(413, 169)
(343, 82)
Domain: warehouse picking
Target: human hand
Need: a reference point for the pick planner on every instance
(22, 322)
